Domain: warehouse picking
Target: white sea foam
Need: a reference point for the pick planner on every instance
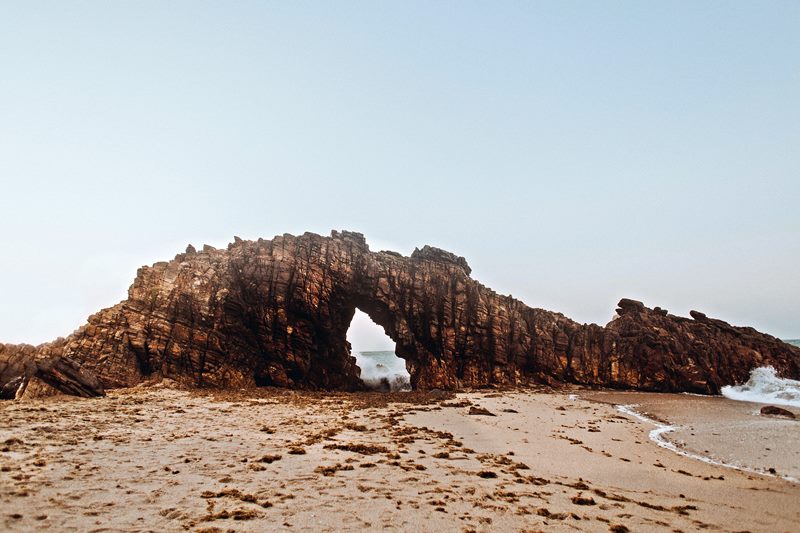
(764, 386)
(383, 371)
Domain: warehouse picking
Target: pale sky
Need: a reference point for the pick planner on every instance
(367, 336)
(574, 152)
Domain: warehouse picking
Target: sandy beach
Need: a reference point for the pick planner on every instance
(159, 459)
(720, 430)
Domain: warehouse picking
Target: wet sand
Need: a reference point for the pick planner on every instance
(159, 459)
(725, 431)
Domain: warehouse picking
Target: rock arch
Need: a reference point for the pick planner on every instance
(276, 312)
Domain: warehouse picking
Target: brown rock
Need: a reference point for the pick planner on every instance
(276, 312)
(47, 368)
(10, 389)
(630, 306)
(697, 315)
(480, 411)
(773, 410)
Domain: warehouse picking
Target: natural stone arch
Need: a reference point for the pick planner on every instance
(408, 297)
(276, 312)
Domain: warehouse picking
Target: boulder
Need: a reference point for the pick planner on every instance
(774, 410)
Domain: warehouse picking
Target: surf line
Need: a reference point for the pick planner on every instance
(657, 435)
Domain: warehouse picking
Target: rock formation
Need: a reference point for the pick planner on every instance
(24, 367)
(276, 312)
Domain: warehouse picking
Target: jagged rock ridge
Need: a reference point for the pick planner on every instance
(276, 312)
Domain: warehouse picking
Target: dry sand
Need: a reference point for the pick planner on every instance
(159, 459)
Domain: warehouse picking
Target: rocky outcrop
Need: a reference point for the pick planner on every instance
(276, 312)
(22, 364)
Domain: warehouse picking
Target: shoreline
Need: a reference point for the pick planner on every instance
(672, 435)
(657, 436)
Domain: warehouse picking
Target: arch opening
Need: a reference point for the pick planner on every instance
(375, 353)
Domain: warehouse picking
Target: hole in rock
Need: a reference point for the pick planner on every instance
(374, 351)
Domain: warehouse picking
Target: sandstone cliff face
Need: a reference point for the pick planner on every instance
(276, 312)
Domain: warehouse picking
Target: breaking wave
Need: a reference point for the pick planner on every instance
(383, 371)
(764, 386)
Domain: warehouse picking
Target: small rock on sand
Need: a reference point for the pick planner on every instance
(774, 410)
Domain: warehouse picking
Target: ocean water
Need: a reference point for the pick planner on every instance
(765, 386)
(383, 371)
(795, 342)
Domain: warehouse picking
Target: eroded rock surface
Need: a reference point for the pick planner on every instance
(25, 368)
(276, 312)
